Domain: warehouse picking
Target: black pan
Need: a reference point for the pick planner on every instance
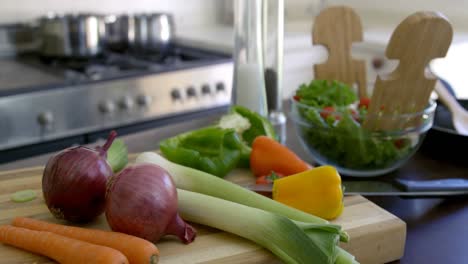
(442, 141)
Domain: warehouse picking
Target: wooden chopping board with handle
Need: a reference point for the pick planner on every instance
(377, 236)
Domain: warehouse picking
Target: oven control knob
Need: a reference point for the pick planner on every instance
(144, 100)
(191, 92)
(220, 87)
(126, 103)
(45, 118)
(205, 89)
(175, 94)
(106, 107)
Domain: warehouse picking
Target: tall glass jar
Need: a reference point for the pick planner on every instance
(249, 80)
(273, 35)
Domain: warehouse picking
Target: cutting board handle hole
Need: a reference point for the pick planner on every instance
(323, 51)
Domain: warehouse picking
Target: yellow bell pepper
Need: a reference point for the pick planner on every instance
(316, 191)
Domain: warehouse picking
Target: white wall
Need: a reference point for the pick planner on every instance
(186, 11)
(389, 12)
(385, 12)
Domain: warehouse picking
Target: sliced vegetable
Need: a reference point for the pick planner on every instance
(339, 137)
(316, 191)
(62, 249)
(23, 196)
(259, 125)
(234, 121)
(274, 232)
(364, 102)
(269, 156)
(136, 250)
(117, 155)
(220, 148)
(267, 179)
(212, 149)
(201, 182)
(323, 93)
(327, 111)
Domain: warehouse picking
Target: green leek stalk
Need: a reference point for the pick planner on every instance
(193, 180)
(200, 182)
(344, 257)
(275, 232)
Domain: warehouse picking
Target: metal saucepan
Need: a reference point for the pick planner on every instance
(80, 35)
(153, 32)
(139, 32)
(120, 32)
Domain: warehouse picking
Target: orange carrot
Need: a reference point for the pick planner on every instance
(62, 249)
(137, 250)
(269, 156)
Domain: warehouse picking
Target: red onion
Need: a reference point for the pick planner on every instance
(74, 182)
(142, 201)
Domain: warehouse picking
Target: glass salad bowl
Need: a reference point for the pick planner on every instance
(336, 136)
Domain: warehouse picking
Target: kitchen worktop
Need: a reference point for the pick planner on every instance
(438, 224)
(371, 228)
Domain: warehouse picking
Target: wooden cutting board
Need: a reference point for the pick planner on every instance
(376, 235)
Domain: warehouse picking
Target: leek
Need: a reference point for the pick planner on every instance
(275, 232)
(344, 257)
(193, 180)
(197, 181)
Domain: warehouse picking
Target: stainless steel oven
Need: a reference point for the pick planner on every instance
(48, 103)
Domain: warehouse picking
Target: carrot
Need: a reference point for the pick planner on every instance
(136, 249)
(59, 248)
(269, 156)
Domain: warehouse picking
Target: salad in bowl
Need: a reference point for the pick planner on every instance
(330, 122)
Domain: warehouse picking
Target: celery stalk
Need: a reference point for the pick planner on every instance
(197, 181)
(274, 232)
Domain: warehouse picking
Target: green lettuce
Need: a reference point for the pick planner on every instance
(339, 139)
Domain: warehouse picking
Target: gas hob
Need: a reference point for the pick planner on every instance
(46, 100)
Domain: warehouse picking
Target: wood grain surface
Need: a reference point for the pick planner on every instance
(336, 28)
(418, 39)
(376, 235)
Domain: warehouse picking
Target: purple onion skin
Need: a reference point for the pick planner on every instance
(75, 186)
(74, 182)
(142, 201)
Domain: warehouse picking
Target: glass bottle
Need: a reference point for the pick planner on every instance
(249, 80)
(272, 37)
